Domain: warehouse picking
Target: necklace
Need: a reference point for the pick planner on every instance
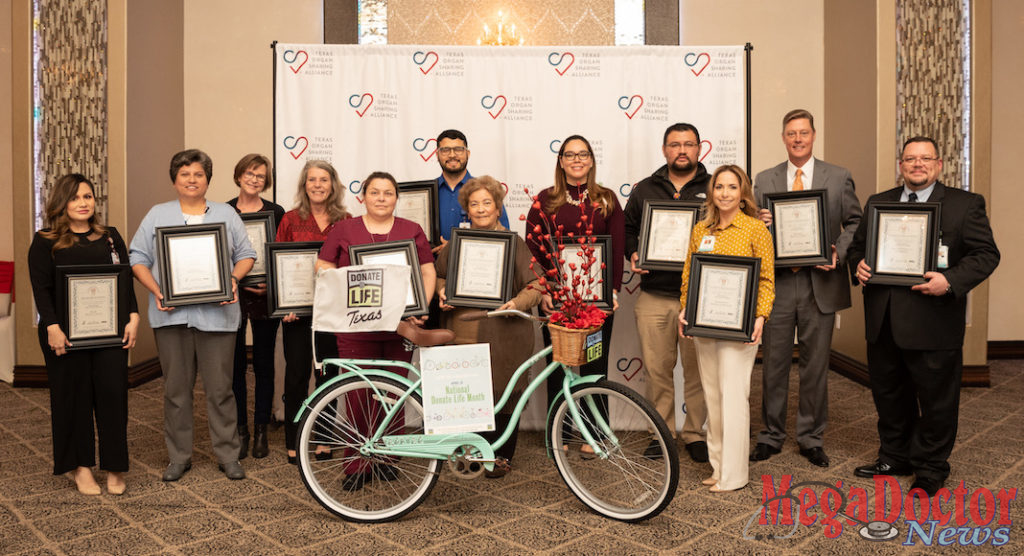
(574, 202)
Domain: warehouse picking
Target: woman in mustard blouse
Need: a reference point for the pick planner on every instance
(732, 227)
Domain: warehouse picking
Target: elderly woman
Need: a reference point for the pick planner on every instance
(194, 339)
(319, 207)
(730, 227)
(575, 193)
(252, 176)
(511, 340)
(379, 224)
(87, 382)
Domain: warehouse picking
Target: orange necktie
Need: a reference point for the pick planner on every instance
(798, 181)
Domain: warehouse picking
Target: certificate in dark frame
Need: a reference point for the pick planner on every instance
(645, 261)
(266, 219)
(820, 198)
(223, 292)
(275, 308)
(702, 262)
(875, 213)
(602, 289)
(121, 274)
(457, 262)
(407, 247)
(428, 188)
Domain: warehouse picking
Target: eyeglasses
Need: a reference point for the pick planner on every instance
(916, 159)
(450, 150)
(259, 178)
(803, 134)
(582, 155)
(688, 145)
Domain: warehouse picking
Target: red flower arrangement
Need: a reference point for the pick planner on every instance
(571, 286)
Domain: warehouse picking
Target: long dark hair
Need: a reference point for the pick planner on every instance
(63, 192)
(604, 197)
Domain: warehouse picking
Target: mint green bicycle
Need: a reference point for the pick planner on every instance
(630, 476)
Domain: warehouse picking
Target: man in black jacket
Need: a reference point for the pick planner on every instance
(683, 177)
(915, 334)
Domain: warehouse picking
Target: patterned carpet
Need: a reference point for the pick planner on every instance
(530, 510)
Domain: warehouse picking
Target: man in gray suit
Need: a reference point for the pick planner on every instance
(806, 298)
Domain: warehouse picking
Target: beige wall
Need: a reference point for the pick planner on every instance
(1005, 318)
(786, 72)
(228, 81)
(6, 137)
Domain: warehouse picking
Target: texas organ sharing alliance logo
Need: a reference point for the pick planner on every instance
(430, 63)
(385, 105)
(723, 65)
(312, 61)
(588, 64)
(514, 108)
(654, 107)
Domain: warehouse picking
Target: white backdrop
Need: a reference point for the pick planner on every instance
(367, 108)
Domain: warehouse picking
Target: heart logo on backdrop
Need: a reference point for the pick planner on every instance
(421, 145)
(561, 58)
(626, 188)
(420, 58)
(504, 186)
(294, 58)
(704, 153)
(295, 144)
(630, 367)
(692, 59)
(555, 145)
(355, 186)
(490, 104)
(356, 101)
(625, 106)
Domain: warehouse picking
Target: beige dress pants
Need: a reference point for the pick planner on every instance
(725, 367)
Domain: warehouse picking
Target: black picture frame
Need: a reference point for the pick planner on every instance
(265, 219)
(277, 302)
(646, 259)
(882, 215)
(792, 199)
(221, 277)
(702, 266)
(463, 238)
(603, 254)
(427, 189)
(358, 255)
(117, 278)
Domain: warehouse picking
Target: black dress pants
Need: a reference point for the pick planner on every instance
(296, 339)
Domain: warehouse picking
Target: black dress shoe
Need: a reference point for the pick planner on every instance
(763, 451)
(323, 456)
(653, 450)
(355, 481)
(930, 486)
(815, 455)
(259, 442)
(293, 460)
(698, 451)
(880, 468)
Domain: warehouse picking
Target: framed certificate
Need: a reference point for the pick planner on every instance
(902, 242)
(396, 252)
(480, 268)
(596, 285)
(417, 201)
(261, 228)
(291, 277)
(92, 303)
(665, 234)
(194, 264)
(721, 298)
(800, 227)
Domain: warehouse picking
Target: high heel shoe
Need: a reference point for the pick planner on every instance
(85, 482)
(115, 483)
(710, 481)
(243, 441)
(259, 442)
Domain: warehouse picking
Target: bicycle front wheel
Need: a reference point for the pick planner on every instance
(357, 487)
(637, 479)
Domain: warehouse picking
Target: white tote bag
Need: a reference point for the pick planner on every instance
(363, 298)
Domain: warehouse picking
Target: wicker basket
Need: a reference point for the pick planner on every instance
(568, 345)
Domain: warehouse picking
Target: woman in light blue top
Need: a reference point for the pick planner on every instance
(194, 339)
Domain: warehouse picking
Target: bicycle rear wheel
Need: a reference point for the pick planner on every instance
(343, 418)
(638, 478)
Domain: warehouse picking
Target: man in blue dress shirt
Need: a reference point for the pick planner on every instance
(453, 156)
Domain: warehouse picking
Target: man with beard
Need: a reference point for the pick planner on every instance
(453, 156)
(806, 298)
(915, 334)
(683, 177)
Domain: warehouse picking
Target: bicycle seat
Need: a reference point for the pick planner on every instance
(424, 337)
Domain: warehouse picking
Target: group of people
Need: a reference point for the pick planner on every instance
(914, 333)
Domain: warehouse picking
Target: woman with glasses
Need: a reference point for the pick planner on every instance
(576, 193)
(252, 176)
(319, 207)
(86, 382)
